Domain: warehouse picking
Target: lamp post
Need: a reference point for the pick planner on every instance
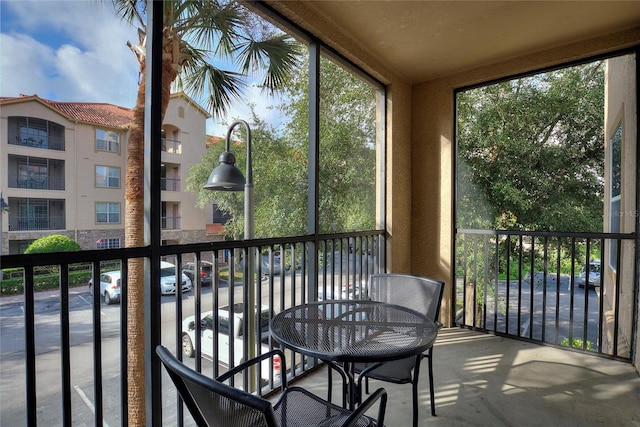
(3, 206)
(227, 177)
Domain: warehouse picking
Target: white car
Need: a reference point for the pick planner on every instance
(110, 284)
(594, 275)
(168, 279)
(207, 337)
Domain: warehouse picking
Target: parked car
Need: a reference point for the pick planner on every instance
(168, 279)
(265, 266)
(224, 326)
(347, 262)
(347, 291)
(594, 275)
(110, 284)
(206, 272)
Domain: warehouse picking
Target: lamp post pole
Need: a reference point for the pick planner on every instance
(3, 205)
(227, 177)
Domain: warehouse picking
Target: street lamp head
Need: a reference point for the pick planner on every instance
(227, 176)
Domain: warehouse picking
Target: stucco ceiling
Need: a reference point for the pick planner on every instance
(422, 39)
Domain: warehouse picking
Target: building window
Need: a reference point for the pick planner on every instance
(615, 184)
(108, 243)
(33, 132)
(107, 141)
(107, 213)
(107, 177)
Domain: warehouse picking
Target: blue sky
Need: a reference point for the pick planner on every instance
(74, 50)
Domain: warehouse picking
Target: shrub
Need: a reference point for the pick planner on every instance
(53, 243)
(577, 343)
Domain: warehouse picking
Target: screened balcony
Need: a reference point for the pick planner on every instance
(490, 368)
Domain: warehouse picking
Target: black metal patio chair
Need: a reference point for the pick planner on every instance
(417, 293)
(213, 403)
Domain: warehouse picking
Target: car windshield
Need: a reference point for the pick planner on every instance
(168, 271)
(594, 268)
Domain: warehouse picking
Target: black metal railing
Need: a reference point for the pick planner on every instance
(37, 182)
(34, 223)
(169, 184)
(39, 141)
(64, 352)
(170, 222)
(556, 288)
(172, 146)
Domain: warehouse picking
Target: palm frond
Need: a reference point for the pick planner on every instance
(279, 51)
(210, 24)
(131, 11)
(219, 86)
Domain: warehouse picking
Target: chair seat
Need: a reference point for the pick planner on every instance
(301, 408)
(395, 371)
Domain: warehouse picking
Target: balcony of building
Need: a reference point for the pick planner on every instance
(502, 357)
(33, 214)
(170, 177)
(482, 376)
(35, 173)
(171, 146)
(34, 132)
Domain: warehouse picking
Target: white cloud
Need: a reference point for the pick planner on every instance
(68, 51)
(76, 51)
(25, 66)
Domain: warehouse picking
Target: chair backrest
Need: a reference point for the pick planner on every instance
(212, 403)
(417, 293)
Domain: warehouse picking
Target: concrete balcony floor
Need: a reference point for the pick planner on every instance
(485, 380)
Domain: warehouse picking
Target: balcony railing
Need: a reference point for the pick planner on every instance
(555, 288)
(170, 184)
(171, 146)
(36, 183)
(68, 352)
(170, 222)
(36, 141)
(31, 223)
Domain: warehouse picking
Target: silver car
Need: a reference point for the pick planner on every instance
(594, 275)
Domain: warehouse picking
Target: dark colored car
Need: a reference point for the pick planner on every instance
(206, 272)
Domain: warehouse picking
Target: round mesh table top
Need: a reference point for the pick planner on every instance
(354, 330)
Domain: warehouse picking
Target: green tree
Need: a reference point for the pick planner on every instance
(53, 243)
(530, 157)
(347, 145)
(280, 160)
(531, 152)
(279, 174)
(194, 34)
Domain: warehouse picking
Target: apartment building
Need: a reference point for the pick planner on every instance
(63, 165)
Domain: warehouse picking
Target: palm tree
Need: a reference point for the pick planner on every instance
(194, 33)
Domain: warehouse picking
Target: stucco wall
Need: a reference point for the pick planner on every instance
(620, 109)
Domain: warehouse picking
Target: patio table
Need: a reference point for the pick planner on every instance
(345, 332)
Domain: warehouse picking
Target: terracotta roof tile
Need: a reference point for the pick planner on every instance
(89, 112)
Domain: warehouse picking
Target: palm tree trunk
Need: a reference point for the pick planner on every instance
(134, 237)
